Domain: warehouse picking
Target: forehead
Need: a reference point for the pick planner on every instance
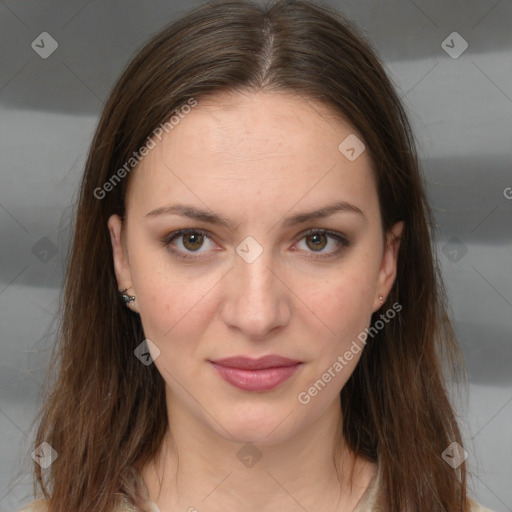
(258, 147)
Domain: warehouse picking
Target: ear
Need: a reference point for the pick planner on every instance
(388, 266)
(120, 255)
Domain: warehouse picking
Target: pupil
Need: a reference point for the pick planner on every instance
(316, 239)
(193, 243)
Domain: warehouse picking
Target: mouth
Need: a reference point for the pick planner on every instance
(261, 374)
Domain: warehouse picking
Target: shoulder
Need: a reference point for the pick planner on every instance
(41, 506)
(476, 507)
(35, 506)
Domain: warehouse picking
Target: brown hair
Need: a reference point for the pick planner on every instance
(105, 414)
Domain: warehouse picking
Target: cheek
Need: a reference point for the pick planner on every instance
(342, 308)
(172, 308)
(171, 301)
(344, 301)
(173, 316)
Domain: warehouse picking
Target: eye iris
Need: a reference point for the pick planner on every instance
(316, 237)
(195, 245)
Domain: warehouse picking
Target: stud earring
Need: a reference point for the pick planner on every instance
(127, 299)
(381, 298)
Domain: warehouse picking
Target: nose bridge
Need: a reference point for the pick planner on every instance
(255, 280)
(256, 298)
(256, 276)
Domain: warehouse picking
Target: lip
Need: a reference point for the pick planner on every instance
(261, 374)
(248, 363)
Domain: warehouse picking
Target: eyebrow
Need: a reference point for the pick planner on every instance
(194, 213)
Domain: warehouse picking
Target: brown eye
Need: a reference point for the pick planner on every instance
(193, 241)
(323, 244)
(319, 241)
(185, 242)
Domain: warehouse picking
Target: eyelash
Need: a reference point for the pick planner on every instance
(344, 243)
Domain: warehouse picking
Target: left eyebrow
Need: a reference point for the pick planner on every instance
(213, 218)
(322, 213)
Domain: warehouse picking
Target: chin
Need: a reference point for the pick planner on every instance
(256, 426)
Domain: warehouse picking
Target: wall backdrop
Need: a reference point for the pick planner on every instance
(452, 64)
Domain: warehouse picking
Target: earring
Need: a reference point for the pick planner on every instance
(381, 298)
(127, 299)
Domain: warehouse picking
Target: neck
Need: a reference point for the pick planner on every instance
(199, 470)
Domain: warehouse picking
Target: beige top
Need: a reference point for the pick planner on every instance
(365, 504)
(38, 506)
(367, 501)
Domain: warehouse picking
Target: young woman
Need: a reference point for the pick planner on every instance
(253, 317)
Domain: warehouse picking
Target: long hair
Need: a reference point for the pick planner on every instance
(105, 413)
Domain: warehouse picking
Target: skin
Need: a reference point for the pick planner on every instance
(255, 158)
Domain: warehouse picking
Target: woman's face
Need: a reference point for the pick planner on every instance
(265, 280)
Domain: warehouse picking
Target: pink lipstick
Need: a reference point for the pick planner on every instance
(262, 374)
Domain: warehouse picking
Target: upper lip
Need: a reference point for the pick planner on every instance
(247, 363)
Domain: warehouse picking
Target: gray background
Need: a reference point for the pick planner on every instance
(461, 110)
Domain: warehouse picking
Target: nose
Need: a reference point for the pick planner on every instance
(256, 299)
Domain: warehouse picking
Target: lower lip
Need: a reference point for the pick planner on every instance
(256, 380)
